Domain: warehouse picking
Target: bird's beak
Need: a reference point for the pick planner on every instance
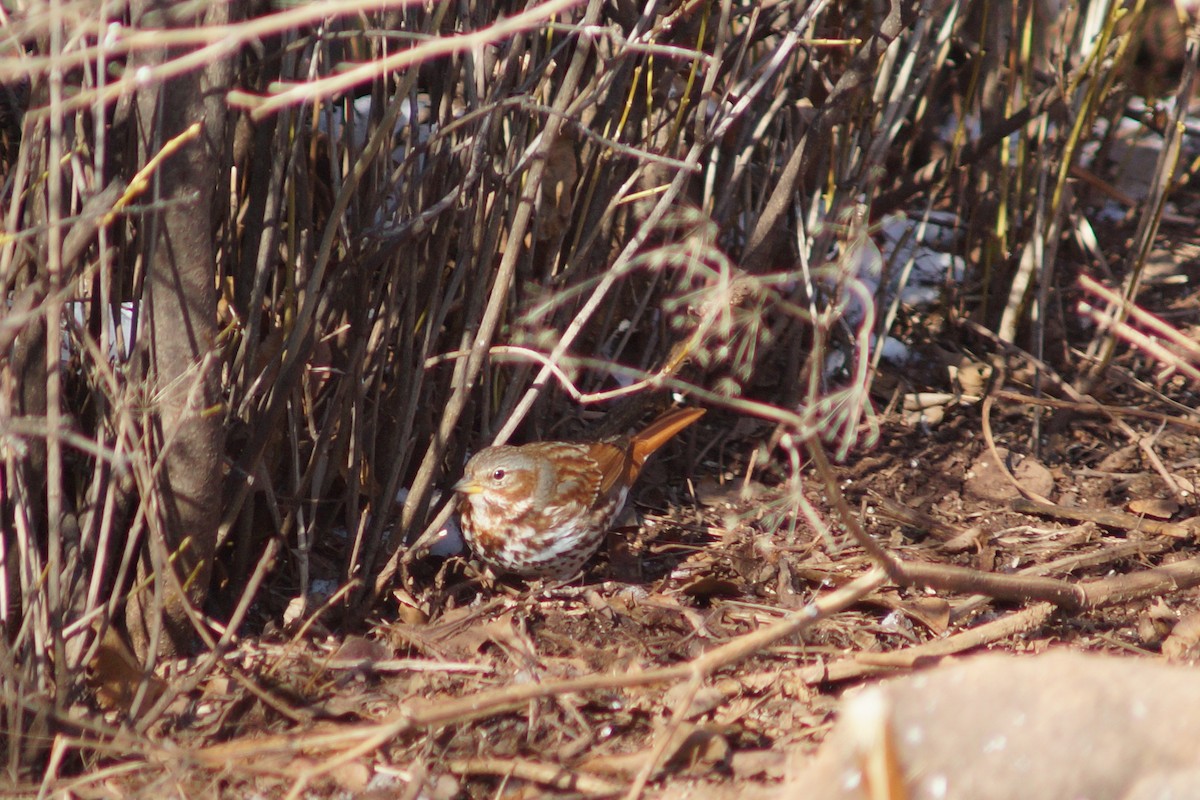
(467, 486)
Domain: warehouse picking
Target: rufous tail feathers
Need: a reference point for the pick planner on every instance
(658, 432)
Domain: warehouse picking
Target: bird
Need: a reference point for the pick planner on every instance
(541, 510)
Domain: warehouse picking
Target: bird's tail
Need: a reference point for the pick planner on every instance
(658, 432)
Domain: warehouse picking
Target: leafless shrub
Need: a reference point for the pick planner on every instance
(388, 230)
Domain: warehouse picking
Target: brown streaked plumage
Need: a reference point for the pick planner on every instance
(542, 509)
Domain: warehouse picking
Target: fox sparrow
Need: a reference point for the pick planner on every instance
(542, 509)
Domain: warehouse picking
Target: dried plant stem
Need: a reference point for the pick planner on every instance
(361, 740)
(1103, 347)
(864, 664)
(323, 88)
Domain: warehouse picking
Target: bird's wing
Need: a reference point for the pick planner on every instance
(614, 463)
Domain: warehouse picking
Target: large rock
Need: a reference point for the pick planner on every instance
(1055, 726)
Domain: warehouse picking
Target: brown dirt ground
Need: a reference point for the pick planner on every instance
(453, 692)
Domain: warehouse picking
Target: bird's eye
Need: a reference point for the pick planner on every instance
(498, 475)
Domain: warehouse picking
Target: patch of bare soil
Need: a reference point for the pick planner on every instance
(705, 651)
